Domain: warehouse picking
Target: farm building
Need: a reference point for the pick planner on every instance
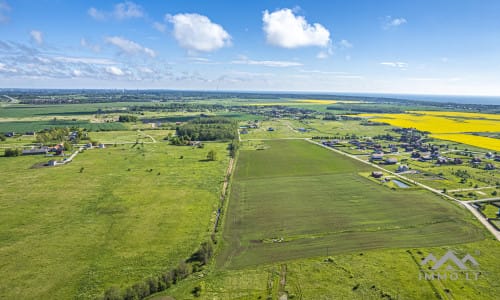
(10, 134)
(377, 174)
(52, 163)
(391, 161)
(36, 151)
(377, 156)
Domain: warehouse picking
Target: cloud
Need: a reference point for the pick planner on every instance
(390, 22)
(325, 53)
(96, 14)
(36, 36)
(266, 63)
(159, 26)
(84, 60)
(86, 44)
(197, 33)
(121, 11)
(128, 10)
(7, 69)
(395, 64)
(284, 29)
(129, 47)
(28, 61)
(4, 9)
(114, 71)
(345, 44)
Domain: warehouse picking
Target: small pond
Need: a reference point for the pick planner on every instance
(400, 184)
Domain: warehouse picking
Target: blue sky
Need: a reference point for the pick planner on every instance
(418, 47)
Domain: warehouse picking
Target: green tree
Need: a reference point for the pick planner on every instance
(212, 155)
(11, 152)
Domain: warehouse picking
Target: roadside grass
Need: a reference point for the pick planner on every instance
(296, 200)
(113, 216)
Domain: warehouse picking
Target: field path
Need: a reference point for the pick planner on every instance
(471, 189)
(438, 192)
(147, 135)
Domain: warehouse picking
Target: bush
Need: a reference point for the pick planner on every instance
(113, 293)
(11, 152)
(196, 291)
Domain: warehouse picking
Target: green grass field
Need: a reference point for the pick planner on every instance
(364, 274)
(69, 234)
(296, 200)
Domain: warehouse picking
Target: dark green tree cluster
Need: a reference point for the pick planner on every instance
(11, 152)
(53, 135)
(208, 129)
(163, 281)
(233, 147)
(127, 118)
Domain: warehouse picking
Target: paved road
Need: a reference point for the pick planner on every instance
(481, 219)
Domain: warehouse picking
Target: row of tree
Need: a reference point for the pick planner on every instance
(127, 118)
(163, 281)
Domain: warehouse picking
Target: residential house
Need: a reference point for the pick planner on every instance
(402, 168)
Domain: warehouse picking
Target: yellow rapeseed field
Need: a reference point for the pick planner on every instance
(318, 101)
(459, 114)
(469, 139)
(453, 126)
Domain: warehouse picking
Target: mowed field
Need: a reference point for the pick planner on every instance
(68, 232)
(296, 200)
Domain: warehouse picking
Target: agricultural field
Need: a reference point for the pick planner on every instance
(457, 127)
(113, 216)
(281, 210)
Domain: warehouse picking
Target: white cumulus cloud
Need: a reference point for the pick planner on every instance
(121, 11)
(115, 71)
(129, 47)
(284, 29)
(37, 36)
(196, 32)
(390, 22)
(127, 10)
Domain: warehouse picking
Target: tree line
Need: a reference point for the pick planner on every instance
(161, 282)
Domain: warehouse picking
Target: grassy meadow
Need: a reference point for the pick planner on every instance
(295, 200)
(113, 216)
(363, 274)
